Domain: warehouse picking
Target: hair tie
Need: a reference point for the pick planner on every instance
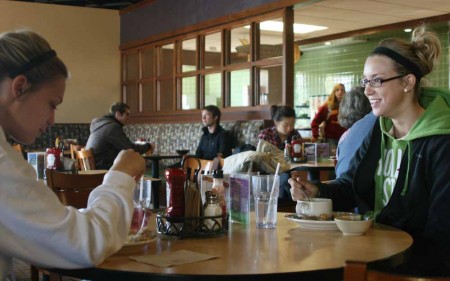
(33, 63)
(406, 63)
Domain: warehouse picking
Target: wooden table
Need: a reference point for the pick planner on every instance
(250, 253)
(314, 168)
(155, 161)
(154, 158)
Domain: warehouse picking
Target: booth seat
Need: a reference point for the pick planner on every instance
(167, 136)
(170, 137)
(78, 131)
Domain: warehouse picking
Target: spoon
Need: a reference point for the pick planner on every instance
(304, 194)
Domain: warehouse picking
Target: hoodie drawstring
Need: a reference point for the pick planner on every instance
(408, 161)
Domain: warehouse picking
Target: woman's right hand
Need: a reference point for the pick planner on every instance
(301, 187)
(129, 162)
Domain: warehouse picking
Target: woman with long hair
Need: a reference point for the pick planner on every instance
(328, 115)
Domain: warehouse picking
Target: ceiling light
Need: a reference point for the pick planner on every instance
(298, 27)
(328, 43)
(407, 29)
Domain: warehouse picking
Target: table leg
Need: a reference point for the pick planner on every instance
(155, 168)
(156, 185)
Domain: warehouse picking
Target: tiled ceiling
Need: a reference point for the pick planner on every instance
(337, 15)
(349, 15)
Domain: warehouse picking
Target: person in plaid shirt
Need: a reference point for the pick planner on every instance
(284, 118)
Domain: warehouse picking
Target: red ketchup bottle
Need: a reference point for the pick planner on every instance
(176, 177)
(53, 158)
(296, 145)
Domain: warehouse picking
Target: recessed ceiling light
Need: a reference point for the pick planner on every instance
(407, 29)
(298, 27)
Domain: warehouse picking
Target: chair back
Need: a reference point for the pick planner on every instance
(74, 148)
(194, 167)
(358, 271)
(18, 147)
(73, 189)
(85, 159)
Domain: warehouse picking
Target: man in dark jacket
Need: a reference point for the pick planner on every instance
(107, 137)
(215, 140)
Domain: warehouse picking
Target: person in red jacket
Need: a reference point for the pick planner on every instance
(328, 113)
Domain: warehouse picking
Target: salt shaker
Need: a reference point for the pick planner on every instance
(212, 209)
(219, 189)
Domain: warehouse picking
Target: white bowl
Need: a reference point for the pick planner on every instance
(352, 224)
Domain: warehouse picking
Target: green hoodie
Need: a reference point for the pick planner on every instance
(435, 121)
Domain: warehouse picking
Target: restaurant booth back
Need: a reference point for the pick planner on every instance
(167, 136)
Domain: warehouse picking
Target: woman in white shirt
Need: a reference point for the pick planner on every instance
(34, 226)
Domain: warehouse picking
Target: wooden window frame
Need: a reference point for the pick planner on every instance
(254, 111)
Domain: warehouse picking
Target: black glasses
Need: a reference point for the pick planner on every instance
(377, 82)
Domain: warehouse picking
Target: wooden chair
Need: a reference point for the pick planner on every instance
(194, 167)
(85, 158)
(72, 190)
(18, 147)
(73, 149)
(358, 271)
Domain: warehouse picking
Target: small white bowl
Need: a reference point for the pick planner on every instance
(352, 224)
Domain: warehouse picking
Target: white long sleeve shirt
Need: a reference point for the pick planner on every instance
(37, 228)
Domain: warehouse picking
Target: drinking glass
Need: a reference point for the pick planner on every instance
(265, 191)
(142, 207)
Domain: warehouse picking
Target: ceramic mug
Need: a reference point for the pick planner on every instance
(317, 207)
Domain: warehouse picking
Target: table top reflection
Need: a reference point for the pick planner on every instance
(314, 168)
(159, 156)
(312, 164)
(285, 251)
(92, 172)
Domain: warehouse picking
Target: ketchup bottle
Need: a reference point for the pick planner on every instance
(176, 177)
(53, 158)
(296, 144)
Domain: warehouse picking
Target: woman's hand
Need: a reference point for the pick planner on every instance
(301, 187)
(129, 162)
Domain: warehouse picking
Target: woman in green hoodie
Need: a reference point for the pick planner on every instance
(401, 172)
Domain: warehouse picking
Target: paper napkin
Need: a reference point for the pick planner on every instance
(174, 258)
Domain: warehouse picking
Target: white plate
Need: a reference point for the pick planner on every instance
(313, 224)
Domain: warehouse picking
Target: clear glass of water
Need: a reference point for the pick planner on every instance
(265, 192)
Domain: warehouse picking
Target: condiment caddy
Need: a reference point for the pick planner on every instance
(186, 216)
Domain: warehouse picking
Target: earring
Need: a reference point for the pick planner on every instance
(405, 90)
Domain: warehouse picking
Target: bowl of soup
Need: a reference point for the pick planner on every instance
(353, 224)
